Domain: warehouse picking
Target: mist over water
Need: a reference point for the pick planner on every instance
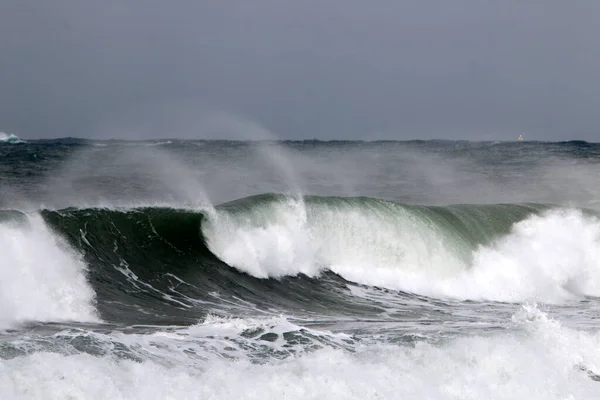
(424, 269)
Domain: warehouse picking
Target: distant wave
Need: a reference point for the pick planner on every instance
(11, 138)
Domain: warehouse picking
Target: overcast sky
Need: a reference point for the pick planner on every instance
(344, 69)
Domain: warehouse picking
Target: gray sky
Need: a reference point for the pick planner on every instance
(345, 69)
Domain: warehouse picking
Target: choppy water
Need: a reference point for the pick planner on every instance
(368, 270)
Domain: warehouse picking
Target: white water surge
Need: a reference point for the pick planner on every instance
(536, 358)
(41, 277)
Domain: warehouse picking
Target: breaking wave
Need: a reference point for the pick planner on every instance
(174, 265)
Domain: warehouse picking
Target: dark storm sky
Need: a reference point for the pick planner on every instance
(344, 69)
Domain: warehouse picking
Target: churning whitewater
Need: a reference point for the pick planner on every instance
(350, 270)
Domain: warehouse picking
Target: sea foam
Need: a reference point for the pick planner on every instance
(536, 358)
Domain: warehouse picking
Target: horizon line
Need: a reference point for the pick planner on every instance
(295, 140)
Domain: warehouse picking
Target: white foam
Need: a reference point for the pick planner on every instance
(536, 359)
(550, 258)
(226, 328)
(41, 278)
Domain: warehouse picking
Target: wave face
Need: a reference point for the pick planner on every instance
(138, 259)
(152, 265)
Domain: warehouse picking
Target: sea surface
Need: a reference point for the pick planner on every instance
(171, 269)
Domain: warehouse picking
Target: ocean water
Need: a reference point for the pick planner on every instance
(299, 270)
